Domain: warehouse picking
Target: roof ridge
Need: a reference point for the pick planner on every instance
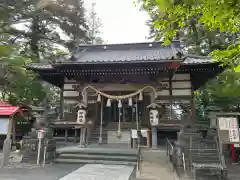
(132, 43)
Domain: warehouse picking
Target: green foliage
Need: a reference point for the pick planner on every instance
(17, 84)
(222, 92)
(38, 31)
(206, 27)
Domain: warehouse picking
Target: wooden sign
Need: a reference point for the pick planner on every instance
(153, 117)
(81, 117)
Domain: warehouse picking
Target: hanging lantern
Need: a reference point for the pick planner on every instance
(140, 96)
(130, 102)
(119, 104)
(108, 103)
(99, 98)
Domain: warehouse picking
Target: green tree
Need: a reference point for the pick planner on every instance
(42, 27)
(213, 24)
(206, 28)
(18, 85)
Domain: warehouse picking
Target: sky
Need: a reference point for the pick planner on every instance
(122, 21)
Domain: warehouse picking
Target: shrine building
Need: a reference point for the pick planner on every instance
(120, 83)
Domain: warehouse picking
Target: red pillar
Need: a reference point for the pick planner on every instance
(233, 153)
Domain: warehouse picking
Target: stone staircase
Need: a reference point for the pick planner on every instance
(202, 156)
(205, 159)
(116, 156)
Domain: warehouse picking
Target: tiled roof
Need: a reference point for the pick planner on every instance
(38, 66)
(126, 53)
(192, 59)
(135, 52)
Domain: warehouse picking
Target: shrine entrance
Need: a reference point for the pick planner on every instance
(117, 115)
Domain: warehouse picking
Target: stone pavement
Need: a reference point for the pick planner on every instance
(100, 172)
(49, 172)
(154, 171)
(155, 167)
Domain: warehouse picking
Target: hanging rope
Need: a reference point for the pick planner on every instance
(121, 97)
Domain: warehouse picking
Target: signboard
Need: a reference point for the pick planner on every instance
(81, 116)
(233, 130)
(228, 130)
(154, 118)
(224, 123)
(134, 134)
(4, 126)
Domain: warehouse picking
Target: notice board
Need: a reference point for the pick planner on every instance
(228, 129)
(4, 126)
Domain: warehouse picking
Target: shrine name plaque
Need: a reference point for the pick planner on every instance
(228, 130)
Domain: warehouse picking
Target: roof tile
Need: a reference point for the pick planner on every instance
(127, 52)
(192, 59)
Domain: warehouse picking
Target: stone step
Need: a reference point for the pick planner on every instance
(90, 161)
(97, 151)
(69, 139)
(98, 157)
(205, 156)
(97, 135)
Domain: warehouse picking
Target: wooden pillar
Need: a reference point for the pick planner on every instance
(154, 137)
(13, 135)
(83, 129)
(10, 126)
(75, 135)
(148, 138)
(154, 130)
(7, 143)
(234, 157)
(66, 135)
(193, 108)
(61, 105)
(170, 94)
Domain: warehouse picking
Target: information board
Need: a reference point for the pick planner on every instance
(4, 126)
(233, 130)
(228, 130)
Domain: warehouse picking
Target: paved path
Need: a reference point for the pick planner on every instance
(154, 171)
(155, 167)
(51, 172)
(100, 172)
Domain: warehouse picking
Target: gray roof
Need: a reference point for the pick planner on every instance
(39, 66)
(189, 60)
(193, 59)
(127, 53)
(135, 52)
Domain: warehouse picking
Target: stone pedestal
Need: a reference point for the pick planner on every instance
(6, 151)
(154, 137)
(30, 150)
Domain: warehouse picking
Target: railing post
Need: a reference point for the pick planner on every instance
(138, 150)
